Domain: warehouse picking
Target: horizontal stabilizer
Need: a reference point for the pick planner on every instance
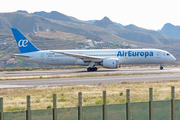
(19, 55)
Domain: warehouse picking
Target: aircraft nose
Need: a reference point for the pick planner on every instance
(173, 58)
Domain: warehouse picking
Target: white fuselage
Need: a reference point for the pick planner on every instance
(125, 56)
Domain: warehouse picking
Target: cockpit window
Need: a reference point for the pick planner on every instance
(168, 54)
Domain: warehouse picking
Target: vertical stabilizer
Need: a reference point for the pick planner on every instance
(22, 42)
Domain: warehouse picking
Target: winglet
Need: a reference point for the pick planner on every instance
(23, 43)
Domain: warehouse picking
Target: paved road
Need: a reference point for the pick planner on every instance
(167, 74)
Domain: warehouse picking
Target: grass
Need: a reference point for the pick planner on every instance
(67, 96)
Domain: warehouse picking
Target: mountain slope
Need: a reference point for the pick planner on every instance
(53, 15)
(164, 39)
(27, 22)
(57, 16)
(171, 30)
(100, 29)
(119, 24)
(127, 34)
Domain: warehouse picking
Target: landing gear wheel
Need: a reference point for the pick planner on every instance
(161, 67)
(95, 69)
(91, 69)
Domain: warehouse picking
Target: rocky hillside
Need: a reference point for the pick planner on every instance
(164, 39)
(171, 30)
(100, 29)
(135, 33)
(57, 16)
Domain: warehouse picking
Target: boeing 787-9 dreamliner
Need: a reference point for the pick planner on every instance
(108, 58)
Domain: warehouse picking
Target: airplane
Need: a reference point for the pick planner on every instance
(107, 58)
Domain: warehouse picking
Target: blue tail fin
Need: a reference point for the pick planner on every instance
(23, 43)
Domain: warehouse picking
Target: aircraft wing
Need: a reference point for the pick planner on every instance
(19, 55)
(85, 58)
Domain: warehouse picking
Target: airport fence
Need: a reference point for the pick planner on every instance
(151, 110)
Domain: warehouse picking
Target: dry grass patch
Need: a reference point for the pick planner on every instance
(67, 96)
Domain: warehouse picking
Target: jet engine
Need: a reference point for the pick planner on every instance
(111, 63)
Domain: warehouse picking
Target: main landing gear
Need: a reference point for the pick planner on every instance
(89, 69)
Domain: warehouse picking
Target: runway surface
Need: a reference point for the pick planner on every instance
(156, 75)
(79, 72)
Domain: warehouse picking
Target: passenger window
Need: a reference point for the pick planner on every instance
(168, 54)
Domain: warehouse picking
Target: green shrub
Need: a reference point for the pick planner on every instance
(49, 107)
(85, 99)
(121, 94)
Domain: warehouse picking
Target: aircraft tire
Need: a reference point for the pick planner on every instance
(89, 69)
(161, 67)
(95, 69)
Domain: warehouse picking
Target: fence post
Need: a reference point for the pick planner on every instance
(151, 116)
(172, 103)
(28, 111)
(1, 109)
(80, 114)
(128, 111)
(54, 107)
(104, 106)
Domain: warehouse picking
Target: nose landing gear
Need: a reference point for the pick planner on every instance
(161, 66)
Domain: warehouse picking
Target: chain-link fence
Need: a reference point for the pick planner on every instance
(150, 110)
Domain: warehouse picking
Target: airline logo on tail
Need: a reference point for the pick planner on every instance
(23, 43)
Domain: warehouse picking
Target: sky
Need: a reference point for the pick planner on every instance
(149, 14)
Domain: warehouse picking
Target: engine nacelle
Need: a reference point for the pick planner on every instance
(111, 63)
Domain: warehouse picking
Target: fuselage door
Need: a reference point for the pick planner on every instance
(158, 54)
(42, 57)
